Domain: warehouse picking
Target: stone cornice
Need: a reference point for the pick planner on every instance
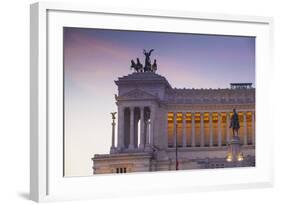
(120, 156)
(143, 78)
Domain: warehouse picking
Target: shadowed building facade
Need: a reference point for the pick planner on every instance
(156, 121)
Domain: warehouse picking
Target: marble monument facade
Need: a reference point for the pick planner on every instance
(155, 120)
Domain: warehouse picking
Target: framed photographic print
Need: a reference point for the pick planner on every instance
(128, 102)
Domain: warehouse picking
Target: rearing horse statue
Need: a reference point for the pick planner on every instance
(137, 66)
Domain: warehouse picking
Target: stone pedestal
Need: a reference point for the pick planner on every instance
(234, 153)
(113, 148)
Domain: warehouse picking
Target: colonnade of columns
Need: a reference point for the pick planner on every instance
(135, 128)
(220, 133)
(136, 125)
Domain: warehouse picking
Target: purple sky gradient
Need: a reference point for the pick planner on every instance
(207, 60)
(94, 58)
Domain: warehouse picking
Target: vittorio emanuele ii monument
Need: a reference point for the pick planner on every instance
(160, 128)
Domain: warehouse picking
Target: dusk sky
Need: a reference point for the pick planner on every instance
(94, 58)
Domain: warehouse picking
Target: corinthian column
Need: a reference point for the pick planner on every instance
(184, 129)
(142, 128)
(152, 122)
(202, 129)
(211, 128)
(227, 127)
(245, 128)
(132, 137)
(147, 141)
(147, 133)
(120, 141)
(219, 129)
(192, 129)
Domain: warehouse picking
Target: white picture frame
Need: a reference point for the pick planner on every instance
(46, 179)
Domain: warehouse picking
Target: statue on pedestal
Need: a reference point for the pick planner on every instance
(112, 149)
(113, 115)
(234, 153)
(234, 124)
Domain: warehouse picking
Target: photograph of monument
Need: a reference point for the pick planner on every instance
(142, 101)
